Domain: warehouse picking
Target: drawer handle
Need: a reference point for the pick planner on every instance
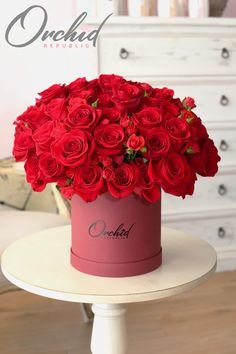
(221, 232)
(225, 53)
(222, 190)
(124, 53)
(224, 145)
(224, 101)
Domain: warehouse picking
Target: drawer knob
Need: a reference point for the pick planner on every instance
(224, 145)
(124, 53)
(221, 232)
(225, 53)
(224, 101)
(222, 190)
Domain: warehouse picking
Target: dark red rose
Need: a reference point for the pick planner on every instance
(73, 148)
(173, 174)
(83, 117)
(127, 96)
(23, 143)
(107, 82)
(148, 118)
(163, 94)
(32, 118)
(56, 109)
(43, 137)
(189, 103)
(170, 108)
(33, 174)
(135, 142)
(110, 115)
(76, 86)
(54, 91)
(122, 180)
(89, 182)
(49, 166)
(145, 188)
(197, 129)
(157, 143)
(205, 162)
(109, 139)
(178, 129)
(105, 101)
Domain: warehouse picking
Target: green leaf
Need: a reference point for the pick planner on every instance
(145, 160)
(189, 120)
(69, 181)
(129, 151)
(95, 104)
(190, 151)
(144, 149)
(145, 94)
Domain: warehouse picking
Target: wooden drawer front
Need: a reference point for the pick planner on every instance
(149, 54)
(217, 231)
(216, 102)
(225, 141)
(209, 192)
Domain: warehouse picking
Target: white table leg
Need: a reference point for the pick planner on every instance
(109, 330)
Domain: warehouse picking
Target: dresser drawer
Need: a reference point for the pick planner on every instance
(146, 54)
(218, 232)
(225, 141)
(209, 192)
(216, 100)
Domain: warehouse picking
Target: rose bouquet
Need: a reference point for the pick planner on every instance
(114, 135)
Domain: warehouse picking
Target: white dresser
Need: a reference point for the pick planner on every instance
(196, 58)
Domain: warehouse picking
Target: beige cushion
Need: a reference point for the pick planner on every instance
(16, 224)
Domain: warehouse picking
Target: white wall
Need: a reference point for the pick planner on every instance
(26, 71)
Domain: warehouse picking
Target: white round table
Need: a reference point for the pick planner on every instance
(40, 264)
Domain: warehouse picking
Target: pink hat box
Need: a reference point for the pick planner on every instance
(116, 237)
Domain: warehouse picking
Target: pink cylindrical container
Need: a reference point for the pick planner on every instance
(116, 237)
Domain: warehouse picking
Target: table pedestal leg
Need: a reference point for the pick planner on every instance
(109, 330)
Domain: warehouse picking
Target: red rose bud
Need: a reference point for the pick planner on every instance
(189, 103)
(132, 129)
(135, 142)
(124, 122)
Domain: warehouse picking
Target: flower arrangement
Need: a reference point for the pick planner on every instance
(114, 135)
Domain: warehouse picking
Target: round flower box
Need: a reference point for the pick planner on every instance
(116, 237)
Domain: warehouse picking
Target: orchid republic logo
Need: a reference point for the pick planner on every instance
(77, 35)
(99, 229)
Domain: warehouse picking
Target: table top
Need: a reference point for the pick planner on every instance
(40, 264)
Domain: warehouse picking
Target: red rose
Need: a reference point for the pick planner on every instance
(107, 82)
(157, 143)
(189, 103)
(23, 143)
(110, 115)
(178, 129)
(170, 108)
(127, 96)
(32, 118)
(56, 109)
(73, 148)
(109, 139)
(197, 129)
(49, 166)
(135, 142)
(89, 182)
(54, 91)
(83, 117)
(123, 179)
(148, 118)
(173, 174)
(145, 188)
(42, 137)
(33, 174)
(105, 101)
(164, 93)
(205, 162)
(76, 86)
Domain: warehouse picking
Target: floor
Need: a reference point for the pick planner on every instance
(202, 321)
